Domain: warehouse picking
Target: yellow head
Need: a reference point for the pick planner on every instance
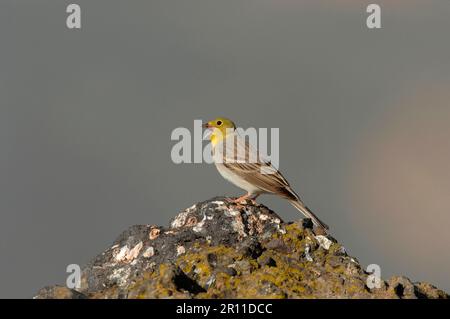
(220, 128)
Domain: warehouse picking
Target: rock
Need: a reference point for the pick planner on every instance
(216, 249)
(59, 292)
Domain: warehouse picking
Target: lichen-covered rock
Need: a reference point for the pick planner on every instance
(216, 249)
(59, 292)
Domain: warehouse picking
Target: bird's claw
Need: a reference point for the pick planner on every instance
(240, 202)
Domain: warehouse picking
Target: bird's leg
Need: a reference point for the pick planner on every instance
(229, 199)
(237, 201)
(241, 199)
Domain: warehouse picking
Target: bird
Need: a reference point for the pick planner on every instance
(241, 164)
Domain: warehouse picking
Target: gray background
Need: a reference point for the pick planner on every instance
(86, 117)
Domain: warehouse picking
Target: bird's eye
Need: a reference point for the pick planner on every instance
(219, 123)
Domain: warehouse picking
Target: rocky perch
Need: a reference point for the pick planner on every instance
(219, 250)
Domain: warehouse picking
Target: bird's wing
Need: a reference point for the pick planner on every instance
(239, 157)
(246, 162)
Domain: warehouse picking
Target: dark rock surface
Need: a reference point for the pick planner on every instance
(219, 250)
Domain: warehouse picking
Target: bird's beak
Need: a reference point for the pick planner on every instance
(208, 132)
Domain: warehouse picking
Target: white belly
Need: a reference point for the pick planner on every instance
(236, 180)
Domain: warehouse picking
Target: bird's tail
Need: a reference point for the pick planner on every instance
(308, 213)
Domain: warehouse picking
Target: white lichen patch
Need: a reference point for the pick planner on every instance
(120, 276)
(180, 220)
(126, 254)
(268, 218)
(238, 226)
(154, 233)
(199, 226)
(324, 242)
(220, 204)
(149, 252)
(231, 213)
(307, 255)
(135, 251)
(210, 281)
(180, 250)
(121, 253)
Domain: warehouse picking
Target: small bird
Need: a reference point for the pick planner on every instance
(241, 164)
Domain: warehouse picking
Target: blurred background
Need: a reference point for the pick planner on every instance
(86, 117)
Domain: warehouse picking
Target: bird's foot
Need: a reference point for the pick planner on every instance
(234, 202)
(239, 201)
